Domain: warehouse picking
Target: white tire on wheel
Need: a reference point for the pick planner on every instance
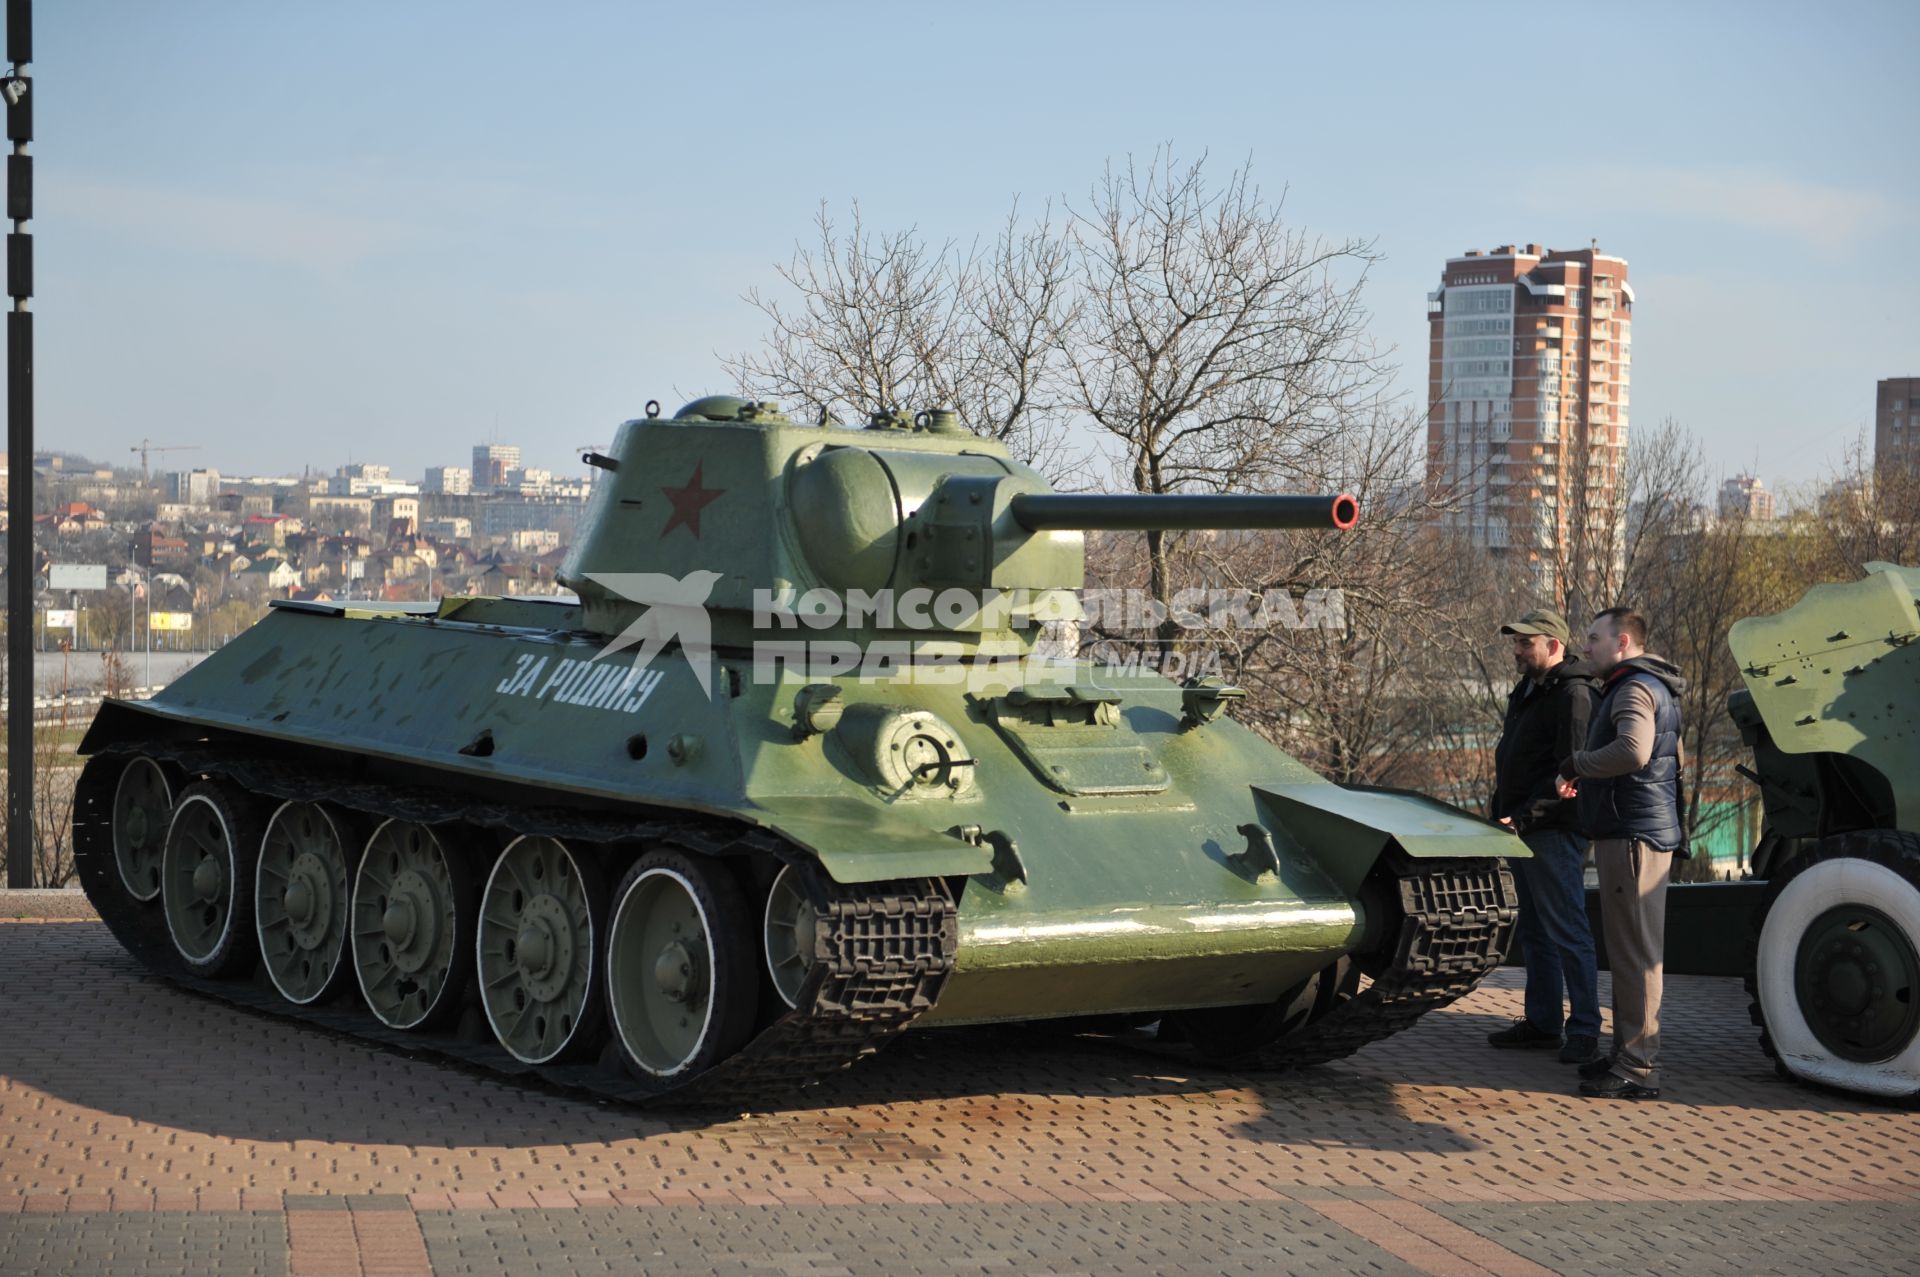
(1827, 884)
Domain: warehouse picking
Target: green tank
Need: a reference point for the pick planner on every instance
(790, 775)
(1830, 923)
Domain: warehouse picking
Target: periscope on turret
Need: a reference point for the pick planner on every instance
(614, 829)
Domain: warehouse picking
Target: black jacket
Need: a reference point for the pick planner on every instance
(1545, 723)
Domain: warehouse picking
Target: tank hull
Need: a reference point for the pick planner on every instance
(1124, 859)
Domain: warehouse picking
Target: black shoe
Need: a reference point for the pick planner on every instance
(1581, 1048)
(1521, 1035)
(1615, 1087)
(1598, 1066)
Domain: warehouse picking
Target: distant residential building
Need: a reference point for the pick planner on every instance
(1529, 358)
(1745, 497)
(155, 549)
(499, 519)
(400, 516)
(196, 489)
(451, 481)
(1896, 422)
(73, 518)
(534, 539)
(491, 462)
(367, 480)
(245, 503)
(536, 482)
(269, 529)
(339, 511)
(449, 528)
(275, 575)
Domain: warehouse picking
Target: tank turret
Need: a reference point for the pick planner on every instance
(772, 510)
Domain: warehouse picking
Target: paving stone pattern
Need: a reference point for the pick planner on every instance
(131, 1105)
(217, 1244)
(1701, 1239)
(1020, 1241)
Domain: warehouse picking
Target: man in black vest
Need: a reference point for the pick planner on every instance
(1547, 715)
(1628, 783)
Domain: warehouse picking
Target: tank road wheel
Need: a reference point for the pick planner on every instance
(302, 894)
(1835, 975)
(411, 906)
(540, 916)
(206, 878)
(787, 934)
(681, 980)
(142, 807)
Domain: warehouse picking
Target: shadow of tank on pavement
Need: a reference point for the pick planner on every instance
(84, 1025)
(87, 1026)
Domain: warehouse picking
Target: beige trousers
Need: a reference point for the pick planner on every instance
(1633, 918)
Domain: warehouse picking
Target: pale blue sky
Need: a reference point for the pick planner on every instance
(294, 233)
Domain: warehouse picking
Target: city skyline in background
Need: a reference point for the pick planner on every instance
(290, 239)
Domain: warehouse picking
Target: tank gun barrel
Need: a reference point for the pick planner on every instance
(1179, 512)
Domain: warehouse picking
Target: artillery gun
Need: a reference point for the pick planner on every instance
(690, 824)
(1833, 913)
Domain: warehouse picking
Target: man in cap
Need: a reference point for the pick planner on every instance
(1627, 777)
(1547, 716)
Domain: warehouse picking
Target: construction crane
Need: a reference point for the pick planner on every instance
(146, 446)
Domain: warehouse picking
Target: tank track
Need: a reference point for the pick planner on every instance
(883, 951)
(1457, 920)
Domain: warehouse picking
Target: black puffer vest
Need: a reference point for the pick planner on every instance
(1644, 804)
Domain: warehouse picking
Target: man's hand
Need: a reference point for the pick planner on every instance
(1565, 788)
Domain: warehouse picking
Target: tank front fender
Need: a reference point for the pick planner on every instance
(857, 844)
(1345, 828)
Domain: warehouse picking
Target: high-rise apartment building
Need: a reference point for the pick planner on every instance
(1745, 497)
(1896, 423)
(1530, 352)
(491, 461)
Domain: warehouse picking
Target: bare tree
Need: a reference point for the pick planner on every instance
(1214, 346)
(55, 772)
(1608, 515)
(51, 788)
(1350, 644)
(1868, 514)
(114, 679)
(1693, 571)
(883, 321)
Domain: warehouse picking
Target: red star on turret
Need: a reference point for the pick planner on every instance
(688, 502)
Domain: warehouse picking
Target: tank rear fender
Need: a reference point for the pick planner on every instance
(122, 721)
(1345, 828)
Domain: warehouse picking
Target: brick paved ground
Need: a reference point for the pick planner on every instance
(147, 1130)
